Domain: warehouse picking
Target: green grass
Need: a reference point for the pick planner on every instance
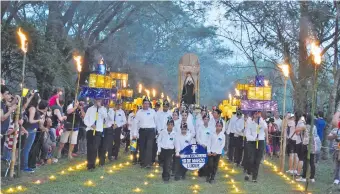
(128, 178)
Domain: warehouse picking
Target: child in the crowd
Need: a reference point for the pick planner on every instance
(182, 140)
(335, 135)
(214, 149)
(47, 144)
(57, 93)
(166, 146)
(203, 136)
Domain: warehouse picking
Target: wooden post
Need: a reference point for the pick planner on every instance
(15, 134)
(283, 134)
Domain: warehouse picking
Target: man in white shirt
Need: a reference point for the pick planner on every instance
(238, 137)
(161, 124)
(255, 133)
(94, 121)
(232, 140)
(146, 124)
(119, 120)
(107, 139)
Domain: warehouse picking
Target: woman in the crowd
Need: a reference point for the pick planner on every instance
(291, 144)
(177, 120)
(203, 135)
(215, 146)
(306, 140)
(334, 136)
(31, 124)
(300, 125)
(182, 140)
(185, 119)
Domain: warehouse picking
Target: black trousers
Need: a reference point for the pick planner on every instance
(254, 157)
(106, 144)
(180, 171)
(147, 138)
(204, 170)
(134, 154)
(127, 138)
(213, 166)
(93, 143)
(231, 147)
(167, 155)
(245, 151)
(238, 149)
(116, 140)
(154, 152)
(305, 163)
(276, 141)
(35, 150)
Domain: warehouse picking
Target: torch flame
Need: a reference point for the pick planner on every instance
(162, 95)
(124, 83)
(316, 52)
(237, 92)
(230, 97)
(153, 92)
(78, 61)
(23, 40)
(285, 70)
(101, 61)
(140, 87)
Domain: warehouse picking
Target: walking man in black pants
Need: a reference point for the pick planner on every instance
(119, 120)
(238, 138)
(146, 123)
(94, 121)
(255, 132)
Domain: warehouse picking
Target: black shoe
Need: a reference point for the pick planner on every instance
(207, 179)
(246, 178)
(177, 179)
(134, 163)
(148, 166)
(116, 158)
(212, 181)
(166, 180)
(183, 177)
(254, 181)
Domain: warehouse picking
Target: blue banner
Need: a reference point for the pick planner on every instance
(194, 157)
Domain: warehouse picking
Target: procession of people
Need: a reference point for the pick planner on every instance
(157, 135)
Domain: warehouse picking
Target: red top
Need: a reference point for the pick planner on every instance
(53, 100)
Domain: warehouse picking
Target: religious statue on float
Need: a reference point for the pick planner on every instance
(188, 91)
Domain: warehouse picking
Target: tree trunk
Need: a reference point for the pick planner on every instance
(305, 70)
(91, 58)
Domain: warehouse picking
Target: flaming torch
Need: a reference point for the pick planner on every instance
(285, 71)
(162, 95)
(316, 61)
(147, 93)
(153, 93)
(140, 87)
(24, 48)
(78, 62)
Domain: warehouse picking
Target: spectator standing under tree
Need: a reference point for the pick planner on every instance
(6, 111)
(320, 124)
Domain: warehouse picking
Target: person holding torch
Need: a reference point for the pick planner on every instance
(255, 134)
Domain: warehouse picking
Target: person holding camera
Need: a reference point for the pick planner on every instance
(74, 110)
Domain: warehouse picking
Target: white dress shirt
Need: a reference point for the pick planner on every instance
(145, 119)
(182, 141)
(133, 126)
(239, 127)
(231, 126)
(177, 126)
(166, 140)
(212, 124)
(90, 118)
(251, 130)
(161, 120)
(115, 117)
(203, 135)
(191, 130)
(216, 143)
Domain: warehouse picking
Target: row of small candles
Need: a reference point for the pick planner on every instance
(223, 165)
(298, 186)
(74, 168)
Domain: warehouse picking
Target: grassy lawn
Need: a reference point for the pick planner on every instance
(128, 178)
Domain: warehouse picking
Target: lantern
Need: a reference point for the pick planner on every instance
(92, 80)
